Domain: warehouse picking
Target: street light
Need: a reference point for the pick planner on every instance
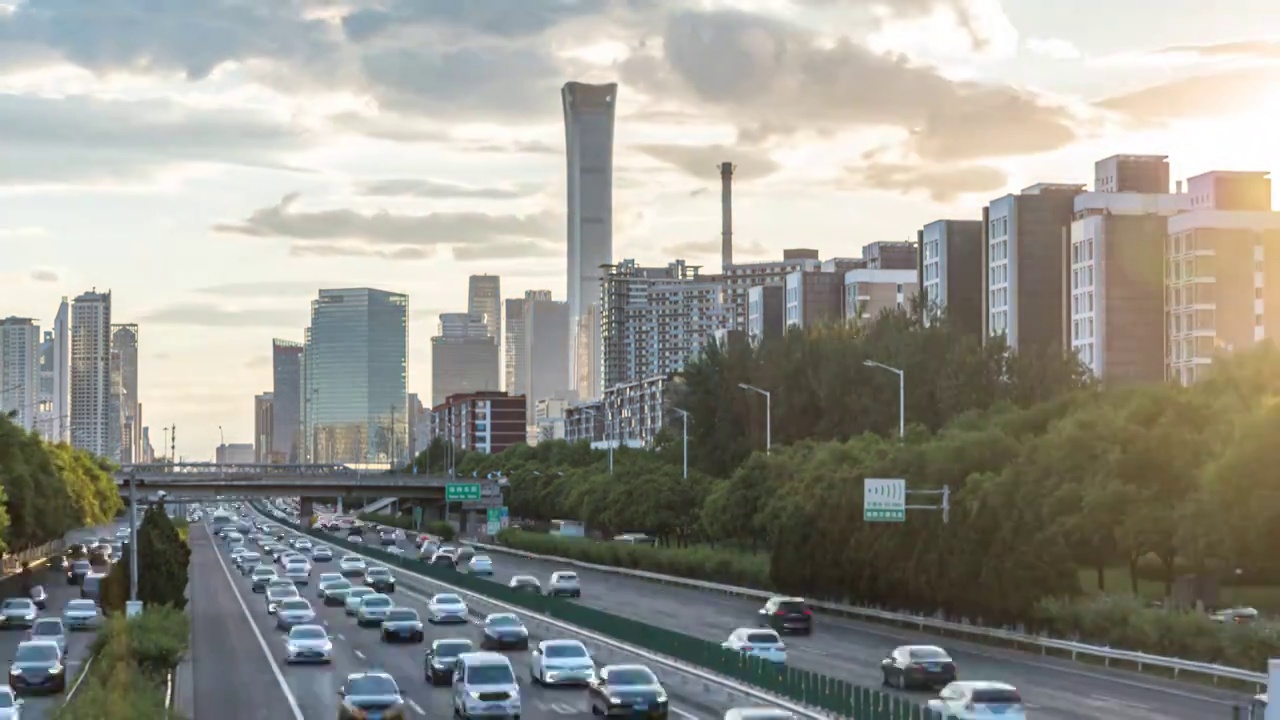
(768, 414)
(684, 419)
(902, 395)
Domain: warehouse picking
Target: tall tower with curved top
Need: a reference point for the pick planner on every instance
(588, 140)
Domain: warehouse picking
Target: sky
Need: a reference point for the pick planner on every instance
(215, 162)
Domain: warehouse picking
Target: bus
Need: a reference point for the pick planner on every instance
(568, 528)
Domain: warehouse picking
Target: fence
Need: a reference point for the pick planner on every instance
(12, 562)
(1001, 636)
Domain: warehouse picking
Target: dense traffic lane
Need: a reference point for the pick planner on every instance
(1054, 689)
(55, 584)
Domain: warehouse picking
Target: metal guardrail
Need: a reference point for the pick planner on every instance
(925, 623)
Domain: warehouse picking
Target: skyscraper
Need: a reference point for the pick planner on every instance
(588, 133)
(20, 369)
(484, 297)
(517, 369)
(44, 423)
(355, 364)
(464, 357)
(124, 351)
(286, 403)
(545, 352)
(263, 425)
(91, 372)
(62, 373)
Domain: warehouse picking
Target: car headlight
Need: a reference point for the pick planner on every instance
(474, 695)
(662, 698)
(615, 700)
(29, 616)
(15, 670)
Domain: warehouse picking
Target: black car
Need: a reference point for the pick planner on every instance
(387, 537)
(787, 615)
(37, 667)
(402, 624)
(918, 666)
(441, 658)
(79, 568)
(380, 579)
(630, 690)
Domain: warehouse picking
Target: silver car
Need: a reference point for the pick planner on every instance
(322, 554)
(298, 572)
(18, 612)
(564, 584)
(49, 629)
(373, 610)
(10, 704)
(352, 604)
(81, 615)
(484, 684)
(561, 662)
(308, 643)
(294, 611)
(278, 594)
(446, 608)
(504, 631)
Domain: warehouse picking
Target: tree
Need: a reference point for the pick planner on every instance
(163, 560)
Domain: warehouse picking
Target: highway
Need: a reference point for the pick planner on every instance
(1054, 689)
(239, 670)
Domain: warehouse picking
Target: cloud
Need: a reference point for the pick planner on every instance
(1054, 48)
(703, 161)
(943, 183)
(502, 18)
(46, 275)
(25, 231)
(969, 15)
(506, 249)
(706, 248)
(1200, 96)
(1241, 48)
(258, 361)
(314, 249)
(82, 138)
(441, 189)
(321, 232)
(270, 289)
(206, 315)
(770, 77)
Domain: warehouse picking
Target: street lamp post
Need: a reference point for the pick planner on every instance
(902, 395)
(768, 415)
(684, 433)
(133, 536)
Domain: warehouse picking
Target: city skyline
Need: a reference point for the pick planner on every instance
(199, 151)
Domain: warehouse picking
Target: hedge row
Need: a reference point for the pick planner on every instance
(132, 659)
(1119, 621)
(405, 522)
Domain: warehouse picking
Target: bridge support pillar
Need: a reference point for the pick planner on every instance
(306, 508)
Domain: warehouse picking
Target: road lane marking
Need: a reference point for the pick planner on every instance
(262, 642)
(416, 707)
(358, 653)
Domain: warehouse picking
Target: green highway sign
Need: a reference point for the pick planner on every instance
(460, 492)
(884, 500)
(493, 514)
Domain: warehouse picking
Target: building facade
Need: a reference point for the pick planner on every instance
(548, 419)
(546, 351)
(487, 422)
(61, 408)
(263, 426)
(91, 373)
(870, 292)
(126, 407)
(516, 369)
(286, 402)
(20, 370)
(766, 313)
(585, 422)
(739, 278)
(234, 454)
(636, 412)
(812, 298)
(464, 357)
(950, 271)
(484, 298)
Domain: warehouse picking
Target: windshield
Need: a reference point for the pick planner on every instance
(929, 654)
(377, 602)
(372, 685)
(295, 605)
(338, 584)
(480, 559)
(264, 572)
(565, 651)
(632, 676)
(452, 649)
(490, 675)
(360, 592)
(47, 627)
(763, 638)
(402, 616)
(996, 696)
(504, 621)
(36, 653)
(81, 605)
(524, 580)
(308, 632)
(378, 572)
(447, 600)
(81, 565)
(566, 576)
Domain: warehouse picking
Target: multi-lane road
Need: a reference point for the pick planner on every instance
(238, 654)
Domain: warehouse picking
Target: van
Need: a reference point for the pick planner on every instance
(484, 683)
(91, 589)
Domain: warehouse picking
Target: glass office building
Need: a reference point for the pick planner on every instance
(355, 362)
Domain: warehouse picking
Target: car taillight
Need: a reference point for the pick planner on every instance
(780, 613)
(808, 612)
(747, 648)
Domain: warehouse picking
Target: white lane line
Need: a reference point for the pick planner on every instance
(684, 713)
(416, 707)
(358, 653)
(262, 642)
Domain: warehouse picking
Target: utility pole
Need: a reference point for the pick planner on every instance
(133, 536)
(165, 445)
(684, 419)
(173, 443)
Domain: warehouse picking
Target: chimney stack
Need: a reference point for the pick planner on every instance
(726, 214)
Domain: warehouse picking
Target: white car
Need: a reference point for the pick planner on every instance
(446, 608)
(352, 566)
(10, 704)
(561, 662)
(480, 565)
(764, 644)
(564, 584)
(354, 597)
(970, 700)
(299, 573)
(308, 643)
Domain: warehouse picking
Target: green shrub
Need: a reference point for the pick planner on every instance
(126, 680)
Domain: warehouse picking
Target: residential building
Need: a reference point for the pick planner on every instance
(62, 373)
(739, 278)
(585, 422)
(516, 370)
(548, 419)
(589, 121)
(464, 358)
(545, 351)
(234, 454)
(766, 312)
(869, 292)
(635, 412)
(656, 318)
(355, 362)
(20, 370)
(287, 360)
(812, 298)
(890, 256)
(148, 450)
(949, 269)
(263, 425)
(1115, 301)
(91, 373)
(126, 405)
(1024, 251)
(1222, 261)
(44, 418)
(487, 422)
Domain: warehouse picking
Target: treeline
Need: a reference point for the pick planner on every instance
(49, 489)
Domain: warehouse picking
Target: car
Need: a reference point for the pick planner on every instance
(351, 603)
(247, 562)
(504, 630)
(427, 550)
(480, 565)
(294, 611)
(387, 537)
(39, 597)
(261, 577)
(51, 630)
(278, 594)
(787, 615)
(918, 666)
(79, 568)
(302, 545)
(631, 690)
(446, 608)
(525, 583)
(10, 704)
(757, 642)
(373, 610)
(971, 700)
(352, 566)
(37, 667)
(334, 592)
(402, 624)
(355, 537)
(329, 577)
(371, 694)
(442, 657)
(293, 557)
(18, 612)
(564, 583)
(299, 573)
(322, 554)
(380, 579)
(442, 558)
(308, 643)
(81, 615)
(237, 551)
(561, 662)
(394, 550)
(484, 685)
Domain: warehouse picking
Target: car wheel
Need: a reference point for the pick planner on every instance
(533, 677)
(595, 710)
